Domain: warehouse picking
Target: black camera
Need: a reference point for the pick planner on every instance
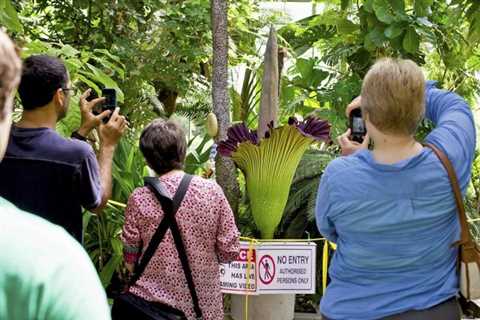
(110, 102)
(357, 126)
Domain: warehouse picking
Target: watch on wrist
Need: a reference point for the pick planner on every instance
(78, 136)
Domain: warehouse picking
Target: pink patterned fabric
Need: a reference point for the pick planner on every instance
(210, 235)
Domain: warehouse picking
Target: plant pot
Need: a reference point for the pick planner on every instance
(264, 307)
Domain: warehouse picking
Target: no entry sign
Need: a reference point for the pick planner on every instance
(266, 269)
(286, 267)
(274, 268)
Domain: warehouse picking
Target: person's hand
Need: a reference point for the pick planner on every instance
(355, 104)
(111, 132)
(348, 146)
(89, 120)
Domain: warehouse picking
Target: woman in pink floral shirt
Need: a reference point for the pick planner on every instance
(206, 224)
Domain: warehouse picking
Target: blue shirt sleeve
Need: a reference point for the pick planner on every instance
(322, 209)
(90, 187)
(454, 129)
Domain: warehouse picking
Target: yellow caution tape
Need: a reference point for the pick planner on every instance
(325, 258)
(249, 256)
(281, 240)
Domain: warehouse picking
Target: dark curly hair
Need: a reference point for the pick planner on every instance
(42, 76)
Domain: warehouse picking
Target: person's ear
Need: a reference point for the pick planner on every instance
(59, 97)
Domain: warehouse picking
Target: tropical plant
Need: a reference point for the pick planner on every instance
(269, 164)
(198, 153)
(9, 17)
(102, 232)
(165, 45)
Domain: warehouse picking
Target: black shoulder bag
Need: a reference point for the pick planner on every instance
(130, 306)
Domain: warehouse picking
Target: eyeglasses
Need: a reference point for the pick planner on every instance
(72, 89)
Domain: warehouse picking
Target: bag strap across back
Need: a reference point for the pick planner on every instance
(157, 237)
(169, 208)
(465, 236)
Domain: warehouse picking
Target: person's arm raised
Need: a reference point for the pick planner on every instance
(110, 134)
(454, 129)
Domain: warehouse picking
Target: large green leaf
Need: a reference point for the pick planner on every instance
(107, 272)
(368, 6)
(89, 83)
(422, 7)
(394, 31)
(9, 17)
(411, 41)
(69, 51)
(383, 11)
(310, 75)
(346, 4)
(398, 6)
(117, 246)
(345, 26)
(474, 30)
(374, 39)
(35, 47)
(101, 60)
(100, 76)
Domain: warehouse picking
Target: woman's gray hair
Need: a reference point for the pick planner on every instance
(164, 145)
(10, 70)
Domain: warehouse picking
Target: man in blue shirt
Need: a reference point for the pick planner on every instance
(44, 273)
(391, 210)
(46, 174)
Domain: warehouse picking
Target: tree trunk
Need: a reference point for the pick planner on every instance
(225, 168)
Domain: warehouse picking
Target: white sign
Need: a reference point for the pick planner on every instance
(286, 267)
(234, 275)
(271, 268)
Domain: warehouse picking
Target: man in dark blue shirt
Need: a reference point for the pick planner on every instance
(49, 175)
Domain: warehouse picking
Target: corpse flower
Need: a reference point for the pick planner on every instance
(269, 164)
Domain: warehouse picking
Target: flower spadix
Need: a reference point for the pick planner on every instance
(269, 164)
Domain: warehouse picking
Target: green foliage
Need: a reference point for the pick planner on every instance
(102, 232)
(347, 37)
(164, 46)
(157, 54)
(472, 201)
(9, 16)
(198, 153)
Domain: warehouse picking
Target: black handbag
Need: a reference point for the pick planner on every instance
(129, 306)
